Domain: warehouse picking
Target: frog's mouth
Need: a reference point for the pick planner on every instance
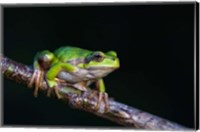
(99, 72)
(102, 68)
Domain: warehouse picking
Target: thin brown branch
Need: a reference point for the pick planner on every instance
(119, 113)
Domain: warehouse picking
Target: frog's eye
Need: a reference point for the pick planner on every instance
(98, 56)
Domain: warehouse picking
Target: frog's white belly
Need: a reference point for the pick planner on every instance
(84, 74)
(75, 77)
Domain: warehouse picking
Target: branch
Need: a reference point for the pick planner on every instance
(119, 113)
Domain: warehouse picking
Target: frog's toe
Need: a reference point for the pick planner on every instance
(32, 79)
(56, 90)
(49, 92)
(99, 95)
(106, 101)
(53, 86)
(36, 80)
(102, 96)
(40, 79)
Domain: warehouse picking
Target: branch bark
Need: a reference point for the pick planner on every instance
(119, 113)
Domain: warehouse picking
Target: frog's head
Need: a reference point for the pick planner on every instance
(100, 64)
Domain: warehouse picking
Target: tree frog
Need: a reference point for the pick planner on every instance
(79, 67)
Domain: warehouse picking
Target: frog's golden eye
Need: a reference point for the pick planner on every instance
(98, 56)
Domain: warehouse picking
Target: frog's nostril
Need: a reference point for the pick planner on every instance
(113, 58)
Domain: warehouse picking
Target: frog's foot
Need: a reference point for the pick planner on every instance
(37, 79)
(56, 90)
(101, 96)
(52, 85)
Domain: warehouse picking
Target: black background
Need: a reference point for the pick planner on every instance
(154, 42)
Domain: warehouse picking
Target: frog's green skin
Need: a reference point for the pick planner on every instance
(75, 65)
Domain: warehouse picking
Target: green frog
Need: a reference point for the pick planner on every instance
(79, 67)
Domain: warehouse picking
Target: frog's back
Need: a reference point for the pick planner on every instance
(69, 53)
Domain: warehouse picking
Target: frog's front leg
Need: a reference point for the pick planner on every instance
(54, 71)
(100, 86)
(102, 94)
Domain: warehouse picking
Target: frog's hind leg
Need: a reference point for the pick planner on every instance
(42, 62)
